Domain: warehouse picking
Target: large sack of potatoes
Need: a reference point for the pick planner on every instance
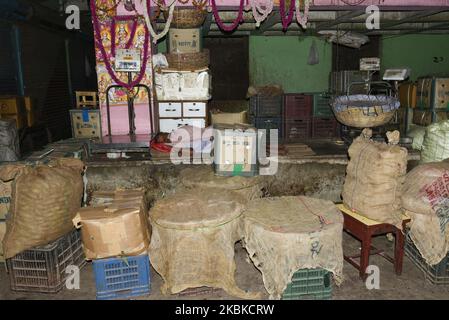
(375, 175)
(44, 200)
(426, 199)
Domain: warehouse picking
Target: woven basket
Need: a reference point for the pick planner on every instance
(363, 118)
(188, 61)
(187, 18)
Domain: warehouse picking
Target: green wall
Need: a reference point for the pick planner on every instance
(417, 52)
(283, 60)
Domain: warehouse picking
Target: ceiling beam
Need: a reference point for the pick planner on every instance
(342, 18)
(412, 18)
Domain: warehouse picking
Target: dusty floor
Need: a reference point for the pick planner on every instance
(410, 285)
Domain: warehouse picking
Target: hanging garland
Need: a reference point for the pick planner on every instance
(131, 36)
(302, 18)
(286, 20)
(232, 26)
(261, 9)
(97, 33)
(146, 14)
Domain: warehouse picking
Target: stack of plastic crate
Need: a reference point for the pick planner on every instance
(266, 113)
(43, 269)
(297, 117)
(324, 124)
(122, 278)
(309, 284)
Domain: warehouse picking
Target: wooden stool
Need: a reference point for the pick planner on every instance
(364, 229)
(86, 99)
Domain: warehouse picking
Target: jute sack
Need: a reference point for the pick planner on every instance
(193, 238)
(204, 177)
(285, 234)
(44, 200)
(430, 235)
(436, 142)
(426, 189)
(374, 179)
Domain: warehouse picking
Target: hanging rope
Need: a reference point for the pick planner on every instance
(146, 15)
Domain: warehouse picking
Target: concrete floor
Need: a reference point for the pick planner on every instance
(410, 285)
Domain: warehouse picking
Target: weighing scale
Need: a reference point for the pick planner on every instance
(128, 61)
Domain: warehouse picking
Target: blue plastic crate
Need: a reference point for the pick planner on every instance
(121, 278)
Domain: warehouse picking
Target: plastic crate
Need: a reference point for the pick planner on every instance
(321, 106)
(43, 269)
(260, 106)
(121, 278)
(437, 274)
(267, 124)
(296, 130)
(309, 284)
(298, 107)
(324, 128)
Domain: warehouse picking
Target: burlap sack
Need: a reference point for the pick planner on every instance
(204, 177)
(374, 178)
(426, 189)
(283, 235)
(193, 238)
(44, 200)
(436, 142)
(430, 234)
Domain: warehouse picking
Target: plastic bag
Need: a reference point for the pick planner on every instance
(313, 55)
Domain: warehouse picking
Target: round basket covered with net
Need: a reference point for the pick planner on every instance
(365, 111)
(188, 61)
(187, 18)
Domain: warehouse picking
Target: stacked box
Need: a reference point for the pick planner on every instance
(86, 123)
(324, 128)
(298, 112)
(14, 108)
(432, 100)
(266, 114)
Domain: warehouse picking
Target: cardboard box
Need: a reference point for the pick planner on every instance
(433, 93)
(229, 118)
(86, 123)
(30, 108)
(119, 228)
(12, 105)
(5, 198)
(407, 95)
(235, 150)
(427, 117)
(2, 235)
(185, 40)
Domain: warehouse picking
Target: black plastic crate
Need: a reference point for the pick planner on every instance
(437, 274)
(261, 106)
(296, 130)
(324, 128)
(268, 124)
(43, 269)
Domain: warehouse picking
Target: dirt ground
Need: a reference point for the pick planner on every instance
(410, 285)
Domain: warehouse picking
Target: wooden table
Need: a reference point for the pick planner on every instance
(364, 229)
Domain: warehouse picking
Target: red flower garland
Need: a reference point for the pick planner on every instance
(236, 21)
(286, 20)
(97, 32)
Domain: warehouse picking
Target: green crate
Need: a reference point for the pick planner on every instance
(321, 105)
(309, 284)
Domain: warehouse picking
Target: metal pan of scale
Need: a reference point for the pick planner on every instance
(366, 110)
